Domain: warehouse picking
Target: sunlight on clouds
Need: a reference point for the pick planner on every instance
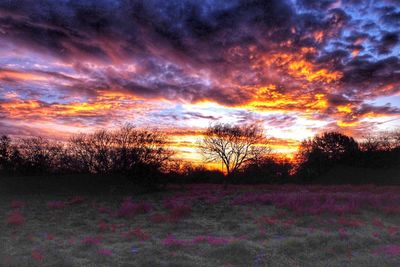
(345, 108)
(16, 75)
(297, 66)
(347, 124)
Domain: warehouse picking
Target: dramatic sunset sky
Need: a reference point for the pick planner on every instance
(297, 67)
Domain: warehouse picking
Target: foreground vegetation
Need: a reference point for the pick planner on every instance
(205, 225)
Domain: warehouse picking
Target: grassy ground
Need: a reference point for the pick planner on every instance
(202, 227)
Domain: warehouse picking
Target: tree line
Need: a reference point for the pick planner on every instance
(127, 152)
(244, 152)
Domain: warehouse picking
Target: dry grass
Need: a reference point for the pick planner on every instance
(52, 237)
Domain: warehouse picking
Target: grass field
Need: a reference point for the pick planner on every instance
(205, 225)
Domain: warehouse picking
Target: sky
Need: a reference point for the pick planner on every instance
(297, 67)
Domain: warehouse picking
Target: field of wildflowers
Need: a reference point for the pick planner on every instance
(206, 225)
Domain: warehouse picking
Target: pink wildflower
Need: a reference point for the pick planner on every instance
(159, 218)
(76, 200)
(37, 255)
(267, 220)
(350, 222)
(171, 240)
(15, 218)
(129, 209)
(137, 232)
(393, 250)
(30, 237)
(376, 234)
(103, 226)
(263, 232)
(17, 204)
(90, 240)
(378, 223)
(71, 241)
(392, 230)
(218, 240)
(342, 233)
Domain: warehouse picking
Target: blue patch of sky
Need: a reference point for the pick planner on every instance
(385, 100)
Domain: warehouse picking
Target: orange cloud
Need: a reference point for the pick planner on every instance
(269, 98)
(347, 124)
(26, 76)
(345, 108)
(298, 66)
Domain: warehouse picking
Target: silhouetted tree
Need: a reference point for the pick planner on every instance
(38, 155)
(16, 161)
(380, 150)
(200, 174)
(396, 138)
(5, 153)
(141, 153)
(384, 141)
(92, 151)
(143, 156)
(128, 151)
(323, 151)
(234, 145)
(266, 170)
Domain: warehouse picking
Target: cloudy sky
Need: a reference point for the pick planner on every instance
(298, 67)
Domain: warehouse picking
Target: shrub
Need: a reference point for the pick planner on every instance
(91, 240)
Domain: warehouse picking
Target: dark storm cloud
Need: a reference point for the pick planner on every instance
(340, 52)
(387, 42)
(391, 18)
(387, 109)
(368, 75)
(64, 27)
(339, 100)
(199, 31)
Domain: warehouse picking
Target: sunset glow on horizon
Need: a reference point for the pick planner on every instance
(298, 67)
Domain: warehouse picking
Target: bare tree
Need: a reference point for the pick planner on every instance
(234, 145)
(320, 153)
(128, 151)
(40, 155)
(396, 138)
(93, 151)
(5, 152)
(370, 143)
(137, 148)
(383, 141)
